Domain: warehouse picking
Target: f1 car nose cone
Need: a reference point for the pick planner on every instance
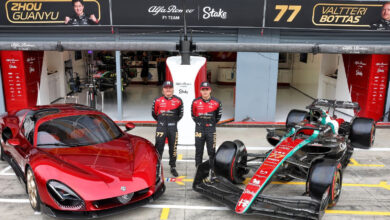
(125, 198)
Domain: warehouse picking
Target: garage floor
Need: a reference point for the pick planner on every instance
(137, 101)
(365, 193)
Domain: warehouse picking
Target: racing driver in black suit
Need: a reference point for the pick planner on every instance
(167, 110)
(206, 112)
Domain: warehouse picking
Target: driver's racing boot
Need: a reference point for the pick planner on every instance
(174, 172)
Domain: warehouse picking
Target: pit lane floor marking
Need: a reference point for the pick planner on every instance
(5, 170)
(353, 212)
(219, 208)
(353, 162)
(14, 201)
(164, 213)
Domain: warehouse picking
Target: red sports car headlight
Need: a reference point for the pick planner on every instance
(64, 196)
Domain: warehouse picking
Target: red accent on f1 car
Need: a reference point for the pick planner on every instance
(261, 177)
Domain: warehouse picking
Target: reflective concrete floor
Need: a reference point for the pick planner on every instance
(137, 101)
(365, 193)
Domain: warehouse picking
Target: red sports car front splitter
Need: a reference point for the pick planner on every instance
(101, 213)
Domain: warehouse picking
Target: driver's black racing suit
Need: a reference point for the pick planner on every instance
(80, 20)
(381, 24)
(206, 114)
(167, 112)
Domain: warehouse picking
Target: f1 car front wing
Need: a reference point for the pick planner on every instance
(225, 192)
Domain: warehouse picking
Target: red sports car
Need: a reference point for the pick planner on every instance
(75, 161)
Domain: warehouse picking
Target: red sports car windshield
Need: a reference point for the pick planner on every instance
(77, 130)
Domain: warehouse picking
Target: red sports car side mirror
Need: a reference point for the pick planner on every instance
(14, 142)
(129, 126)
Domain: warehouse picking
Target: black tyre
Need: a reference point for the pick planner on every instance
(362, 134)
(325, 174)
(32, 190)
(1, 152)
(230, 161)
(7, 134)
(295, 116)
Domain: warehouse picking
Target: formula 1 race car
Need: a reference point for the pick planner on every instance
(76, 162)
(315, 146)
(107, 80)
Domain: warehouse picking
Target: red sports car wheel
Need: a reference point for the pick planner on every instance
(32, 191)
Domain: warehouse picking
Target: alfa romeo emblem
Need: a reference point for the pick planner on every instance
(123, 188)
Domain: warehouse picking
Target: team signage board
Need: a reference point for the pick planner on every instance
(54, 12)
(248, 13)
(302, 14)
(329, 14)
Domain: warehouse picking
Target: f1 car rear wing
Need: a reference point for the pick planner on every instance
(334, 104)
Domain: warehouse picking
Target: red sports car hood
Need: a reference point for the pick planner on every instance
(102, 170)
(111, 160)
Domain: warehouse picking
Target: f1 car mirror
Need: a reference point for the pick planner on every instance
(129, 126)
(14, 142)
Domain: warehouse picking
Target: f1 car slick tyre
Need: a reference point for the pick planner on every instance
(325, 174)
(362, 133)
(294, 117)
(230, 161)
(32, 191)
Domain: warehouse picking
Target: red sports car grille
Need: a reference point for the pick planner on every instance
(114, 201)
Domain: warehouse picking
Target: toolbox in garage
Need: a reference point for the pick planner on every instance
(367, 76)
(21, 73)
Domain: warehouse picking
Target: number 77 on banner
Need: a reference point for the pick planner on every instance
(283, 9)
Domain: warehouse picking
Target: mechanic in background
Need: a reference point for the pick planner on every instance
(167, 110)
(206, 112)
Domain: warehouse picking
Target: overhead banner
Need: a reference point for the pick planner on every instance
(291, 14)
(328, 14)
(220, 13)
(54, 12)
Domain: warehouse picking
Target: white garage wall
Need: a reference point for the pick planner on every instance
(78, 65)
(214, 66)
(342, 90)
(311, 77)
(327, 85)
(306, 75)
(53, 83)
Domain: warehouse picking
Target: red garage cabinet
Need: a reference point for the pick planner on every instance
(367, 81)
(21, 73)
